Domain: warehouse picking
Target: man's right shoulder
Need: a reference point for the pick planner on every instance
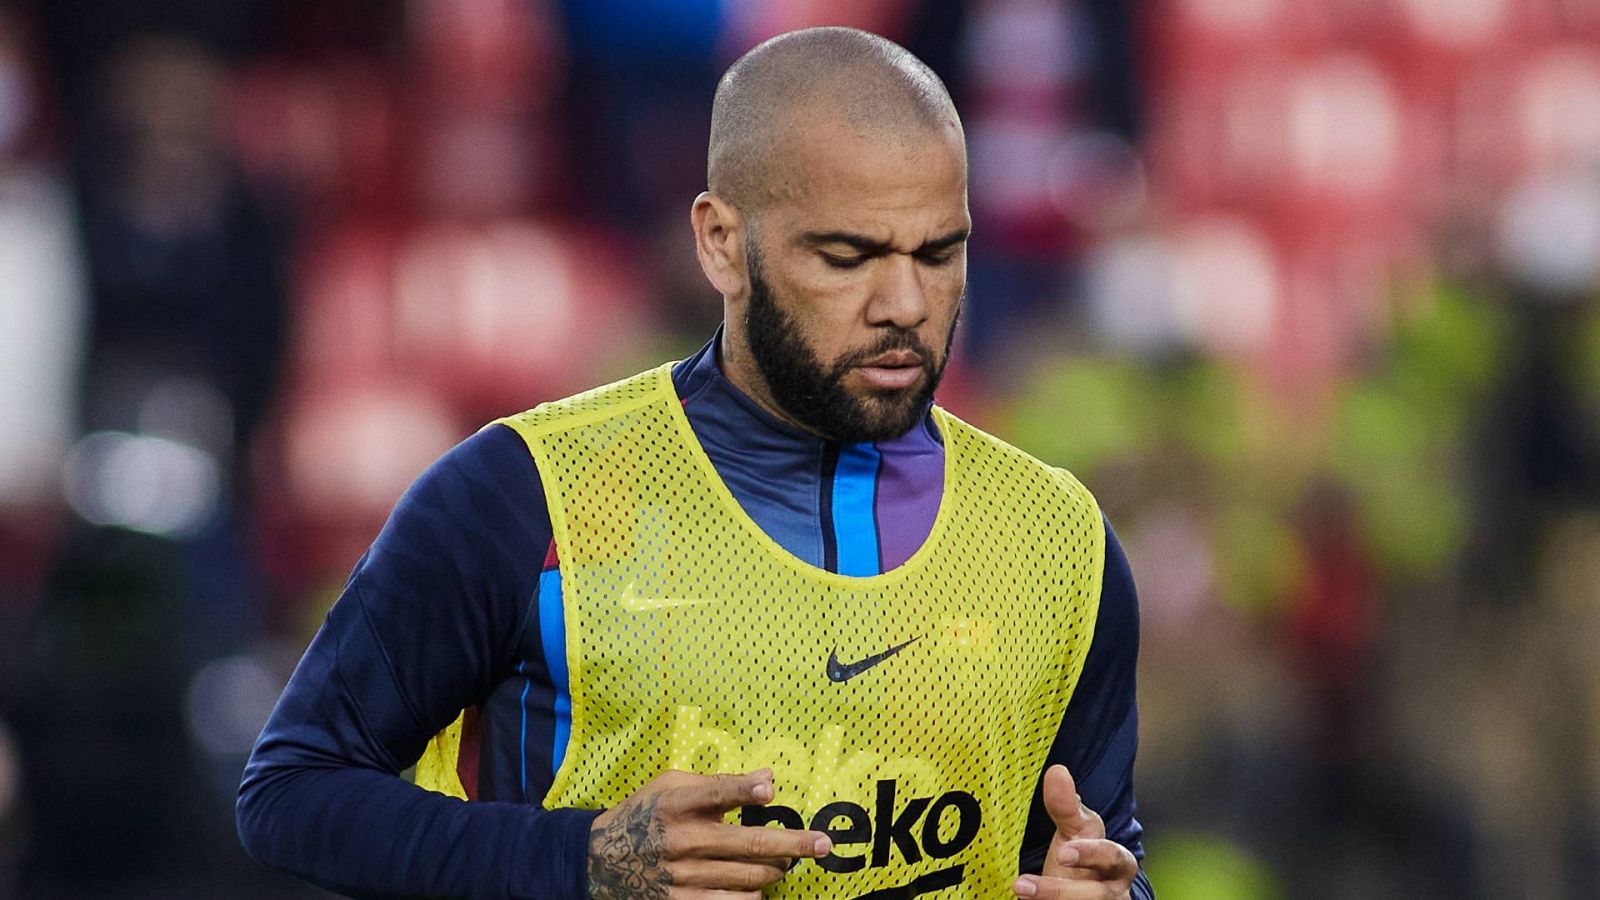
(492, 462)
(496, 448)
(473, 525)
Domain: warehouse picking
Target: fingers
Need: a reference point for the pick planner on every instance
(1082, 869)
(724, 875)
(1102, 859)
(706, 858)
(1039, 888)
(724, 861)
(1072, 818)
(746, 843)
(715, 794)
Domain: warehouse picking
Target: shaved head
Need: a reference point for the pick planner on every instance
(771, 94)
(835, 229)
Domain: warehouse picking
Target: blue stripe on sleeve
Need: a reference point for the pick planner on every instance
(522, 740)
(553, 635)
(855, 526)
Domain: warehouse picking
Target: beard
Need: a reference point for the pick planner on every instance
(814, 394)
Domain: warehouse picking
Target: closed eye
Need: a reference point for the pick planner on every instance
(842, 262)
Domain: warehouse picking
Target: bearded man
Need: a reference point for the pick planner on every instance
(765, 621)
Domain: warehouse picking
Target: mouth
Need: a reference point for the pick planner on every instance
(895, 370)
(895, 359)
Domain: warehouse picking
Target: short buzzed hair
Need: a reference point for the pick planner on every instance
(864, 80)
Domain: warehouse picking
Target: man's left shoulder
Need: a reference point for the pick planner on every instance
(1015, 462)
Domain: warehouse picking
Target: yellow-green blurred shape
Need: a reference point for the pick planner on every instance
(1405, 476)
(1196, 866)
(1457, 346)
(1215, 416)
(1587, 376)
(1259, 558)
(1400, 434)
(1084, 412)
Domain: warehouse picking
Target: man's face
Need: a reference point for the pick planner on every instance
(856, 280)
(814, 393)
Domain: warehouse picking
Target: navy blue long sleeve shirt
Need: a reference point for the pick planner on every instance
(443, 614)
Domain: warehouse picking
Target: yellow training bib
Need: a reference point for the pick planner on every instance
(907, 713)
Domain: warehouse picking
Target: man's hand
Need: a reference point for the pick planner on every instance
(1081, 864)
(667, 839)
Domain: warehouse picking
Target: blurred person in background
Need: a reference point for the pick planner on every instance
(148, 579)
(42, 313)
(1050, 90)
(511, 629)
(41, 334)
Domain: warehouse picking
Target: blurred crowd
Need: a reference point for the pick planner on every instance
(1306, 292)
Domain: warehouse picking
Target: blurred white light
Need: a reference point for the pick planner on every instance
(1130, 290)
(1024, 42)
(147, 484)
(485, 292)
(357, 452)
(1559, 99)
(1458, 22)
(1344, 124)
(1011, 162)
(227, 703)
(1227, 284)
(42, 303)
(1550, 235)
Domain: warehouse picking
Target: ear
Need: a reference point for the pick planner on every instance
(719, 242)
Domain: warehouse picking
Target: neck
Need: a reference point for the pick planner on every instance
(738, 365)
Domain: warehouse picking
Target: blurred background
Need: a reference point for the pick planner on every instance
(1306, 292)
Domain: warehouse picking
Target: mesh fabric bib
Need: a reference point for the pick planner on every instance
(907, 713)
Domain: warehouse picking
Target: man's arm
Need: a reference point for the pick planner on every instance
(1100, 731)
(427, 624)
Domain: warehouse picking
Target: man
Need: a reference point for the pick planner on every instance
(768, 585)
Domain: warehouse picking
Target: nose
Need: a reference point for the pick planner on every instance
(899, 298)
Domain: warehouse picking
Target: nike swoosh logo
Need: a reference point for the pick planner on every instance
(633, 601)
(839, 672)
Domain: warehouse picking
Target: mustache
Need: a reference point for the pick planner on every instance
(892, 340)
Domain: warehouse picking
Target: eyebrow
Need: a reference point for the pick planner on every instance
(870, 247)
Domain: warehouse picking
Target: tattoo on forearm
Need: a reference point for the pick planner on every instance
(625, 855)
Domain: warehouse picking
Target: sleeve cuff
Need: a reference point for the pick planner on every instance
(1141, 889)
(557, 865)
